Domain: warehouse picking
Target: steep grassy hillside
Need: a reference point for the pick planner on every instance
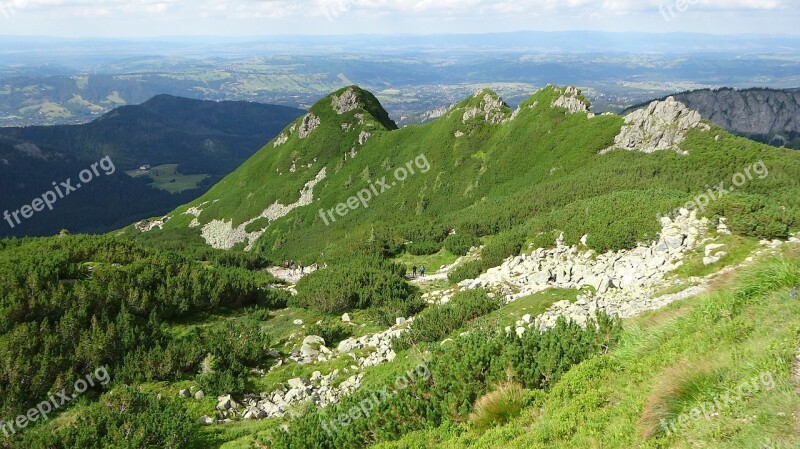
(481, 169)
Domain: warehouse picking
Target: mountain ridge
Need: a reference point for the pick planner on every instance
(479, 149)
(770, 116)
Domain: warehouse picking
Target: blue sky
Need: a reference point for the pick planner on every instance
(150, 18)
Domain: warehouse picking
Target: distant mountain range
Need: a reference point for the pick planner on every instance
(184, 145)
(766, 115)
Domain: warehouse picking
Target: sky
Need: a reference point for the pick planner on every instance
(158, 18)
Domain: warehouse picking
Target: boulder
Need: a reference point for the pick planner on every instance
(224, 402)
(298, 383)
(314, 340)
(207, 421)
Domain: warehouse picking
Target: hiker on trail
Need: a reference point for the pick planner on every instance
(422, 271)
(414, 271)
(302, 268)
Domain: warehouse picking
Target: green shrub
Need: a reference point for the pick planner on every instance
(388, 312)
(437, 322)
(493, 254)
(230, 378)
(424, 231)
(501, 247)
(357, 283)
(460, 244)
(232, 348)
(124, 419)
(752, 216)
(424, 248)
(332, 332)
(466, 270)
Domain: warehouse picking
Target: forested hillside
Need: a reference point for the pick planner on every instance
(186, 145)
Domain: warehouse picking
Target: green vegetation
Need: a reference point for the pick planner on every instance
(166, 313)
(498, 407)
(438, 322)
(167, 177)
(455, 376)
(72, 304)
(668, 363)
(510, 184)
(460, 244)
(367, 283)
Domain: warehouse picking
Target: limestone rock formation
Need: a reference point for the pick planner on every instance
(346, 102)
(573, 267)
(310, 123)
(492, 109)
(571, 100)
(768, 115)
(663, 125)
(221, 234)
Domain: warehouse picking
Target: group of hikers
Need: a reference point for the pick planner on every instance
(295, 267)
(421, 271)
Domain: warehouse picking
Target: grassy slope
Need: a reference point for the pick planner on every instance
(668, 363)
(541, 169)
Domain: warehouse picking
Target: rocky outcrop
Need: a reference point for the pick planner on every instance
(319, 389)
(149, 225)
(571, 100)
(222, 234)
(280, 140)
(381, 344)
(492, 109)
(768, 115)
(627, 303)
(433, 114)
(662, 125)
(578, 267)
(310, 123)
(345, 102)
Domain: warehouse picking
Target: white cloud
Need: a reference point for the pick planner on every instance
(426, 16)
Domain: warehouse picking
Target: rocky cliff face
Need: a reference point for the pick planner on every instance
(767, 115)
(660, 126)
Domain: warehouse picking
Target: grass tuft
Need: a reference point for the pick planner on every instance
(499, 406)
